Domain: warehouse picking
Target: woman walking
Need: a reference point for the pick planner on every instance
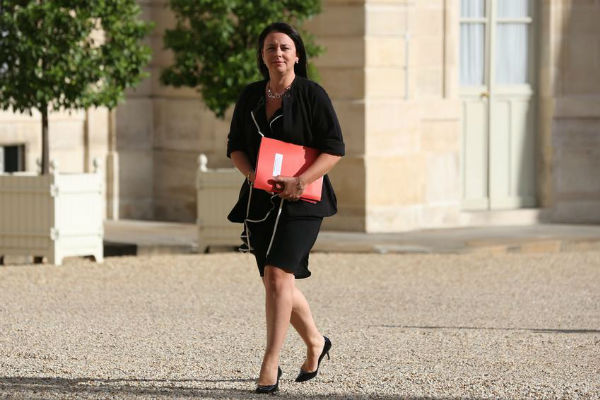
(286, 106)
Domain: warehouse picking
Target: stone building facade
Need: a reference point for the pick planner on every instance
(454, 112)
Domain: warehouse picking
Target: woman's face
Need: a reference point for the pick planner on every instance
(279, 53)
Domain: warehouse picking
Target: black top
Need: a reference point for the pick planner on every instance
(306, 118)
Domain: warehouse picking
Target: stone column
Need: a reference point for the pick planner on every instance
(112, 169)
(570, 110)
(341, 29)
(412, 115)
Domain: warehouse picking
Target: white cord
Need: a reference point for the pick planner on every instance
(275, 227)
(246, 220)
(255, 123)
(246, 230)
(246, 237)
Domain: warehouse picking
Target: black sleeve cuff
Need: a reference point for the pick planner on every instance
(333, 147)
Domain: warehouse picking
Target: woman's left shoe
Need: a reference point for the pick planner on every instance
(270, 388)
(305, 376)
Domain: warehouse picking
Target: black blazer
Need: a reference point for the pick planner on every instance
(308, 120)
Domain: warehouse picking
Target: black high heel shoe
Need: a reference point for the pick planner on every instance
(305, 376)
(270, 388)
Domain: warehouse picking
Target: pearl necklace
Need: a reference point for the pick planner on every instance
(272, 95)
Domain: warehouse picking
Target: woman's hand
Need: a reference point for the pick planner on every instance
(291, 187)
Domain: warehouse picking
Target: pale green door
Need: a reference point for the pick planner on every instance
(498, 103)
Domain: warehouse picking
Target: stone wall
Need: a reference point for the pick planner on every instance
(161, 131)
(412, 115)
(570, 110)
(391, 69)
(341, 29)
(135, 141)
(76, 137)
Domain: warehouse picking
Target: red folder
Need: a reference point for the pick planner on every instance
(286, 159)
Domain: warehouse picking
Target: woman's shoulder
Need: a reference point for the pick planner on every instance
(307, 84)
(256, 86)
(311, 88)
(252, 90)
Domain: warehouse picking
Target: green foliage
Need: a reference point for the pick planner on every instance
(69, 53)
(214, 43)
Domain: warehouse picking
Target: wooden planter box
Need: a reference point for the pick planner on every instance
(54, 216)
(217, 193)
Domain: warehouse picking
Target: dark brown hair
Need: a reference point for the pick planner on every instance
(301, 67)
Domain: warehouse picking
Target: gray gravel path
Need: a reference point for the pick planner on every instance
(402, 326)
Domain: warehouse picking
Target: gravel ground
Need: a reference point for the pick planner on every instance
(402, 326)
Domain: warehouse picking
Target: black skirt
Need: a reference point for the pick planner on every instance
(292, 242)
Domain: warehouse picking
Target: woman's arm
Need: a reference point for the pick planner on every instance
(293, 187)
(322, 165)
(241, 162)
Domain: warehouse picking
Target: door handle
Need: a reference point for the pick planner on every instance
(485, 94)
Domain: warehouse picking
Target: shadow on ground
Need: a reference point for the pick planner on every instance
(460, 328)
(56, 387)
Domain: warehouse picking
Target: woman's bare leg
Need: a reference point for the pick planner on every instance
(302, 320)
(279, 287)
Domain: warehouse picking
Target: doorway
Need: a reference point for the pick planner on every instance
(497, 90)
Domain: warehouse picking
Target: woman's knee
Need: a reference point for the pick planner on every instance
(278, 280)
